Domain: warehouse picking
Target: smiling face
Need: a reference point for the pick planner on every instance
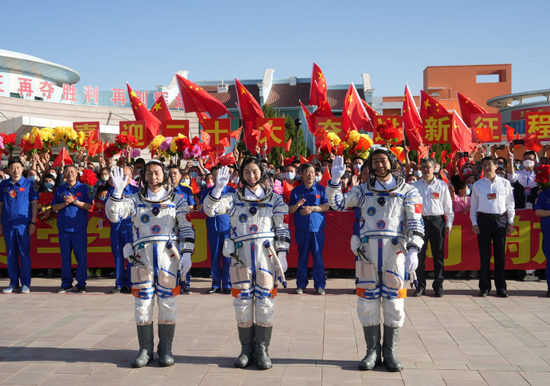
(252, 174)
(381, 164)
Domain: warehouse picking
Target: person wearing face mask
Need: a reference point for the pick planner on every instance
(523, 181)
(121, 234)
(48, 184)
(461, 197)
(104, 177)
(289, 182)
(18, 209)
(309, 202)
(32, 175)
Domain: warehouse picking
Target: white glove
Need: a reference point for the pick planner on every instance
(221, 180)
(411, 261)
(185, 263)
(338, 170)
(119, 181)
(282, 259)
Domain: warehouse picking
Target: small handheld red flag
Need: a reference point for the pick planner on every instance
(326, 178)
(509, 133)
(63, 156)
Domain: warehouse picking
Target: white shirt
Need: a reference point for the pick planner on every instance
(525, 178)
(436, 199)
(495, 197)
(158, 196)
(252, 195)
(389, 184)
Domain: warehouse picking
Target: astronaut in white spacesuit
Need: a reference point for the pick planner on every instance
(258, 245)
(390, 236)
(163, 241)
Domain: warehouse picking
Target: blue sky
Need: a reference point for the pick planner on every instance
(146, 42)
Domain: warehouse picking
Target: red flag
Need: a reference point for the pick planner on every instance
(354, 113)
(484, 134)
(196, 99)
(372, 115)
(444, 177)
(532, 142)
(227, 159)
(287, 189)
(411, 120)
(304, 160)
(236, 134)
(250, 110)
(194, 187)
(432, 156)
(267, 130)
(205, 137)
(38, 142)
(325, 178)
(318, 89)
(422, 152)
(461, 135)
(142, 114)
(287, 146)
(224, 142)
(63, 156)
(468, 107)
(160, 109)
(92, 137)
(443, 156)
(509, 133)
(429, 106)
(307, 114)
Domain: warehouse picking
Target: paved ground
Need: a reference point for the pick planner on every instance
(74, 339)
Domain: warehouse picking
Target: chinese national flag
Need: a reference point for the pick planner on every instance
(429, 106)
(422, 152)
(323, 111)
(196, 99)
(325, 178)
(142, 114)
(205, 137)
(354, 113)
(411, 120)
(287, 146)
(484, 134)
(371, 113)
(236, 134)
(194, 186)
(224, 143)
(532, 142)
(468, 107)
(318, 89)
(461, 135)
(303, 160)
(38, 142)
(250, 110)
(63, 156)
(228, 159)
(509, 133)
(160, 109)
(307, 114)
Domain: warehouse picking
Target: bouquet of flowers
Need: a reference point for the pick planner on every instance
(155, 144)
(278, 187)
(123, 141)
(388, 133)
(542, 177)
(74, 140)
(111, 150)
(89, 178)
(8, 143)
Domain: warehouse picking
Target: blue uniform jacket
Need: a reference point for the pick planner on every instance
(543, 202)
(186, 193)
(220, 223)
(17, 201)
(71, 218)
(314, 196)
(130, 189)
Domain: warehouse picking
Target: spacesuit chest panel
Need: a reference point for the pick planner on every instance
(383, 213)
(252, 218)
(154, 219)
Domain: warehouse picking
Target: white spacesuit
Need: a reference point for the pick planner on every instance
(163, 241)
(259, 241)
(391, 224)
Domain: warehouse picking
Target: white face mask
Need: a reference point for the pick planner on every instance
(290, 175)
(528, 163)
(186, 181)
(236, 180)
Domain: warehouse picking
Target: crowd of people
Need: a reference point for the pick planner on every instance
(399, 207)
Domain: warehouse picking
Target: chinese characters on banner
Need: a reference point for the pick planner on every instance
(518, 115)
(437, 128)
(539, 122)
(488, 121)
(47, 89)
(119, 96)
(87, 128)
(397, 122)
(171, 128)
(91, 93)
(277, 137)
(25, 87)
(157, 94)
(135, 128)
(331, 125)
(69, 92)
(218, 129)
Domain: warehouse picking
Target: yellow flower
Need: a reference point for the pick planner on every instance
(27, 136)
(174, 147)
(353, 137)
(155, 143)
(180, 135)
(334, 139)
(367, 137)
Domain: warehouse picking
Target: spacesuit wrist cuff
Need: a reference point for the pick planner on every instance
(334, 183)
(114, 196)
(281, 249)
(413, 246)
(215, 195)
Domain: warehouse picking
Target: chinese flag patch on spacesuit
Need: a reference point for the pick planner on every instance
(285, 218)
(188, 217)
(417, 208)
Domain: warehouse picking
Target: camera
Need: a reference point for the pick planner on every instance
(518, 141)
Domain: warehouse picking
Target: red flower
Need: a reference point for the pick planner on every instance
(196, 141)
(111, 150)
(45, 198)
(88, 177)
(543, 176)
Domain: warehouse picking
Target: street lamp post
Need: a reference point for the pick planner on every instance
(297, 123)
